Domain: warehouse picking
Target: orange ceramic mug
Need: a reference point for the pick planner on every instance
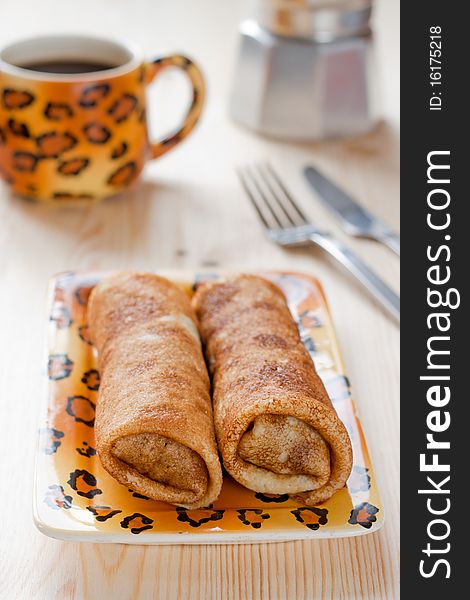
(73, 116)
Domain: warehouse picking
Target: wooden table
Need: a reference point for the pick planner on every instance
(189, 211)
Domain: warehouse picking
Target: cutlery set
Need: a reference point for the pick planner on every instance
(287, 225)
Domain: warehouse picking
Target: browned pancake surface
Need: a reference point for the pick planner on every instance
(154, 426)
(276, 427)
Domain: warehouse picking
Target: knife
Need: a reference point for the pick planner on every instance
(353, 218)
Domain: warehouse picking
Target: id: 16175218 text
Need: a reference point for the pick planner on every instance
(435, 67)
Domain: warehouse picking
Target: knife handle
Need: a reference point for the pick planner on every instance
(392, 240)
(373, 284)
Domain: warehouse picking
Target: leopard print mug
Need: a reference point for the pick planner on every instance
(83, 136)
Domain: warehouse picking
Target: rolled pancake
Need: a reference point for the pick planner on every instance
(276, 428)
(154, 426)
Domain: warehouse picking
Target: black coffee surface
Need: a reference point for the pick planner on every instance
(67, 67)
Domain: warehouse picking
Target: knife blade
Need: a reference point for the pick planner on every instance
(352, 217)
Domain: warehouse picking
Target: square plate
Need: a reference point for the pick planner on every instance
(76, 499)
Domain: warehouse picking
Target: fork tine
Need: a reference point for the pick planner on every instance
(285, 193)
(267, 202)
(275, 200)
(269, 199)
(244, 181)
(257, 198)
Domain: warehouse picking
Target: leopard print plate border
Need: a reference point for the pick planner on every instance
(76, 499)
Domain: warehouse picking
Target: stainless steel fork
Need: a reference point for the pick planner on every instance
(287, 225)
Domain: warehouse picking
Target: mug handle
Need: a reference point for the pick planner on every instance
(154, 68)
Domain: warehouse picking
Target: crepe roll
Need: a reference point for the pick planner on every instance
(276, 428)
(154, 426)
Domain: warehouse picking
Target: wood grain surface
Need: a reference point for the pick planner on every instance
(189, 212)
